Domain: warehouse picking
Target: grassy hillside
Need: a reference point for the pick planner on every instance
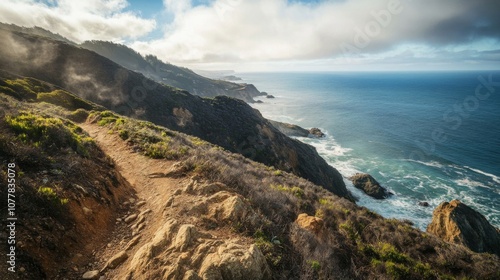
(227, 122)
(63, 174)
(60, 176)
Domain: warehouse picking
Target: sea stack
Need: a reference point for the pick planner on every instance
(370, 186)
(458, 223)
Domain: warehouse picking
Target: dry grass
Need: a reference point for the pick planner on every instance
(354, 244)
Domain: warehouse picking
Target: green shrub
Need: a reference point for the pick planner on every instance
(20, 88)
(396, 270)
(315, 265)
(123, 134)
(296, 191)
(278, 173)
(388, 252)
(48, 132)
(49, 194)
(79, 115)
(424, 270)
(64, 99)
(268, 248)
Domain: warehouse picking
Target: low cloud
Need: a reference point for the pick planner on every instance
(262, 30)
(225, 33)
(78, 20)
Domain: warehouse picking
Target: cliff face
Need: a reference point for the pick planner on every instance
(458, 223)
(227, 122)
(122, 198)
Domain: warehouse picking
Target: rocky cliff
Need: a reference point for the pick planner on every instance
(458, 223)
(120, 198)
(229, 123)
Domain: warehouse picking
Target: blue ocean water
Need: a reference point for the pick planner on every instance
(426, 136)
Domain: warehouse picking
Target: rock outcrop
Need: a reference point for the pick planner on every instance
(178, 250)
(310, 223)
(316, 132)
(224, 121)
(291, 130)
(458, 223)
(370, 186)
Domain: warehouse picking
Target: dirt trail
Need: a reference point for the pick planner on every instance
(176, 228)
(151, 190)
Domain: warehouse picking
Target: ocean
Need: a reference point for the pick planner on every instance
(426, 136)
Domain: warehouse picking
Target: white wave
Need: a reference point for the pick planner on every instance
(467, 182)
(493, 177)
(430, 163)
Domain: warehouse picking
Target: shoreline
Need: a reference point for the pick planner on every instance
(401, 205)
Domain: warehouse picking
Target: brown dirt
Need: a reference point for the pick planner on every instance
(153, 189)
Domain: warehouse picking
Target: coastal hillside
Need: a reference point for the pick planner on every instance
(180, 77)
(151, 67)
(103, 195)
(224, 121)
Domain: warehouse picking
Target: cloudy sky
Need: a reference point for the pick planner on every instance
(282, 35)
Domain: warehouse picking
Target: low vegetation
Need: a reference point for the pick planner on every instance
(48, 132)
(152, 140)
(353, 243)
(59, 170)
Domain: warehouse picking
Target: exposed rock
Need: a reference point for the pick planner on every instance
(259, 101)
(233, 261)
(130, 218)
(132, 243)
(86, 211)
(310, 223)
(270, 96)
(232, 209)
(191, 275)
(116, 260)
(290, 129)
(185, 236)
(370, 186)
(140, 203)
(93, 274)
(180, 251)
(316, 132)
(169, 202)
(458, 223)
(224, 121)
(423, 203)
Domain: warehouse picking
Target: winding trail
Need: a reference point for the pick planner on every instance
(151, 194)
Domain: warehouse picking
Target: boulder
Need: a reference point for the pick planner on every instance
(458, 223)
(234, 261)
(90, 275)
(310, 223)
(423, 203)
(316, 132)
(370, 186)
(269, 96)
(116, 260)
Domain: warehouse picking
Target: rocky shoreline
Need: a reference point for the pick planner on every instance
(454, 221)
